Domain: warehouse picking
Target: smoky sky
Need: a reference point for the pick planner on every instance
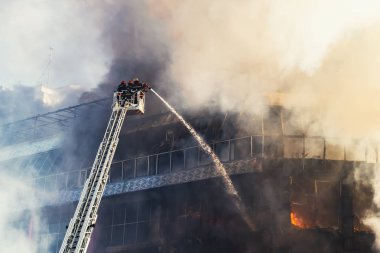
(137, 43)
(133, 41)
(50, 43)
(19, 103)
(138, 48)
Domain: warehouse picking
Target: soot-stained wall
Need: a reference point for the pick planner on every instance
(201, 217)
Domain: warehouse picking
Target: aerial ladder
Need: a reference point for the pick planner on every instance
(82, 224)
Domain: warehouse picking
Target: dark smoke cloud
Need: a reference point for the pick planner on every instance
(137, 43)
(136, 40)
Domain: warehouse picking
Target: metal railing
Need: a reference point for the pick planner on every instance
(255, 146)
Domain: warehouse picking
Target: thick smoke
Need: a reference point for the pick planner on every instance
(18, 103)
(231, 54)
(373, 219)
(343, 90)
(206, 53)
(20, 200)
(322, 55)
(14, 192)
(50, 52)
(137, 44)
(21, 101)
(50, 43)
(21, 219)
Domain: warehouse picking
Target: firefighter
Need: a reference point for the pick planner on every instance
(135, 86)
(132, 89)
(128, 90)
(122, 86)
(130, 83)
(145, 87)
(121, 89)
(136, 83)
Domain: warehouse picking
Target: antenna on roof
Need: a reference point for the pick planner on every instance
(46, 71)
(49, 64)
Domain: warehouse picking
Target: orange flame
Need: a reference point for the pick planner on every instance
(297, 221)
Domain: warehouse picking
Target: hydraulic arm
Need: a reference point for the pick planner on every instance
(79, 230)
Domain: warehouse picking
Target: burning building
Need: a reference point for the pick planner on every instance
(298, 188)
(164, 194)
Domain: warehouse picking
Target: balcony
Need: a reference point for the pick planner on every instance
(240, 155)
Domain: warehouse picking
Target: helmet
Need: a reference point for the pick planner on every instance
(136, 80)
(123, 82)
(130, 82)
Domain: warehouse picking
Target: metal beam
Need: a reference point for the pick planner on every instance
(56, 120)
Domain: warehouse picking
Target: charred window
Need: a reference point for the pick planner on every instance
(116, 172)
(142, 166)
(129, 169)
(241, 149)
(127, 223)
(191, 155)
(163, 164)
(178, 160)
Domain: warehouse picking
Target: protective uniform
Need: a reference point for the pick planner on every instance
(129, 91)
(122, 86)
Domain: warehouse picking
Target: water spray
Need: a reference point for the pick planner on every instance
(229, 187)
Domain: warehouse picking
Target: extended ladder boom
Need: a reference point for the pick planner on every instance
(79, 231)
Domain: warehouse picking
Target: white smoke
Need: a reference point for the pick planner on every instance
(61, 96)
(20, 214)
(54, 43)
(252, 45)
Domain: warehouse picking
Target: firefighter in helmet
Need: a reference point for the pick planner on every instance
(121, 90)
(136, 83)
(130, 84)
(131, 91)
(146, 87)
(122, 86)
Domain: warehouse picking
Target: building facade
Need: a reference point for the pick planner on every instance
(297, 191)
